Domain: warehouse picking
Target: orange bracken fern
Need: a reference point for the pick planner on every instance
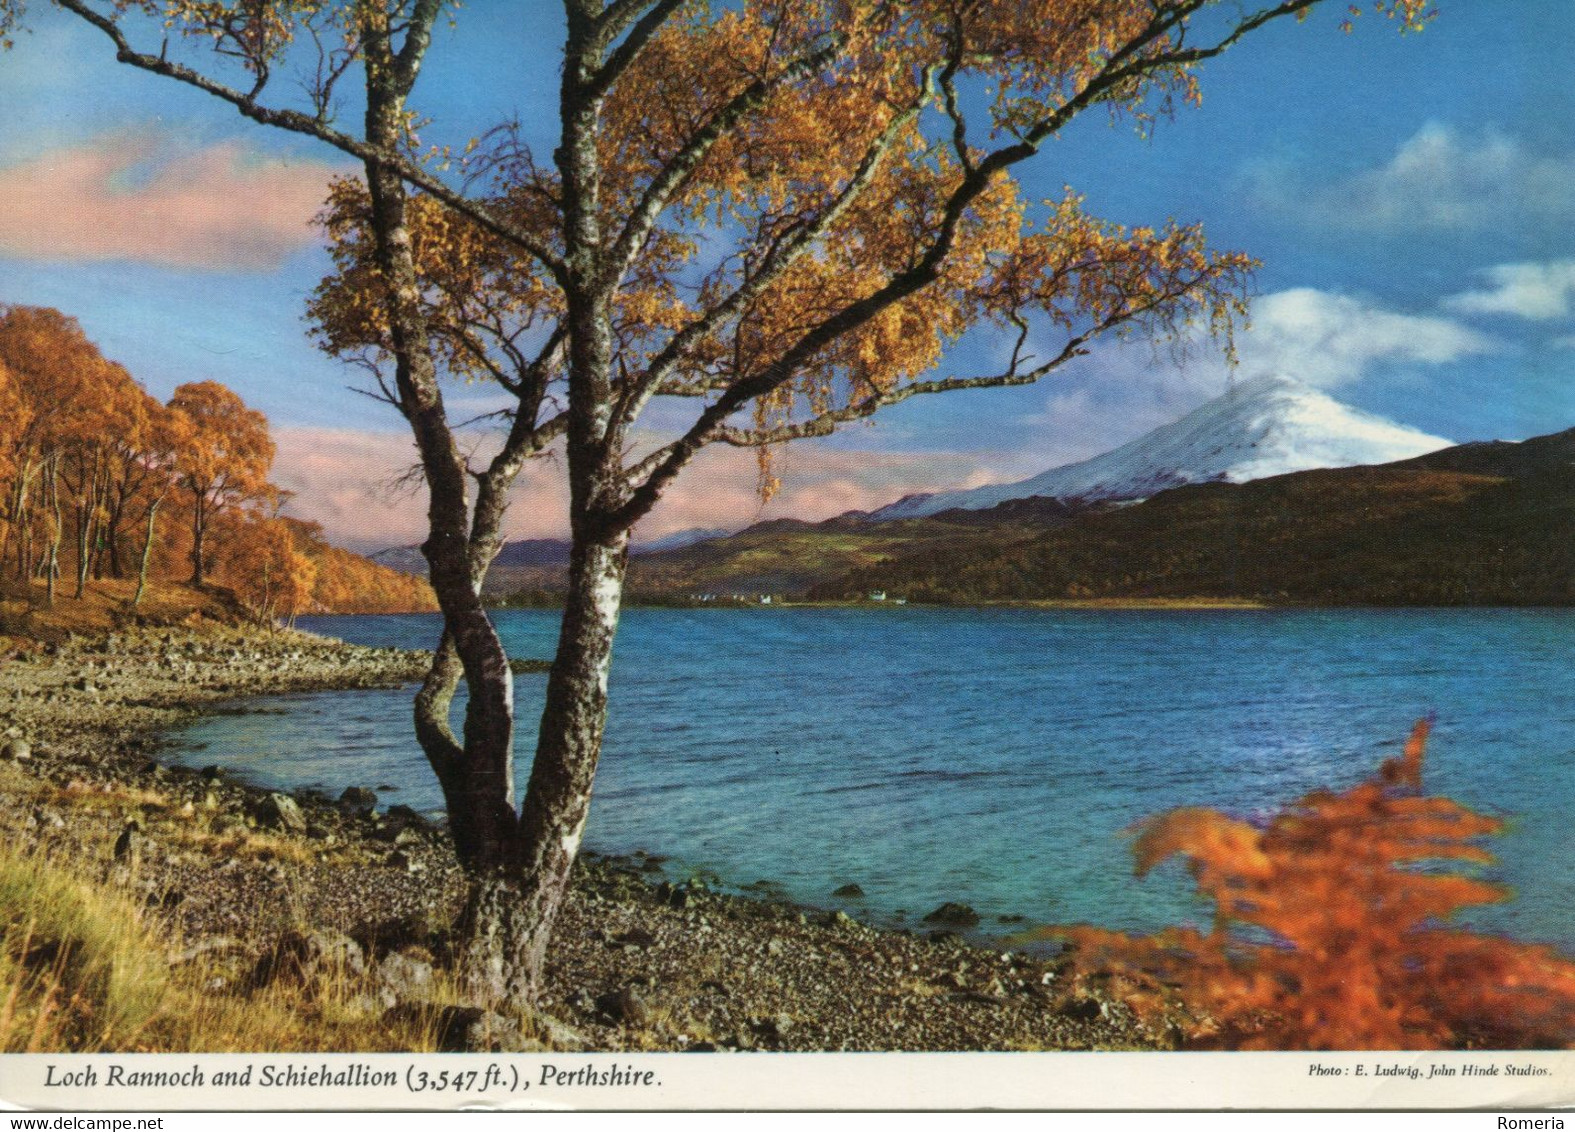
(1330, 929)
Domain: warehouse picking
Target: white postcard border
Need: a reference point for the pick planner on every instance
(1098, 1081)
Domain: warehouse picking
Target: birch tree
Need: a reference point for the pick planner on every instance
(781, 213)
(223, 460)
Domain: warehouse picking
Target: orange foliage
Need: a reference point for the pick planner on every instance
(348, 583)
(283, 567)
(85, 452)
(65, 402)
(796, 217)
(1329, 930)
(259, 562)
(224, 461)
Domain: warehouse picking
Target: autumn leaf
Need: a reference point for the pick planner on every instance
(1328, 935)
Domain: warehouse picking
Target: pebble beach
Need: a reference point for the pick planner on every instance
(263, 885)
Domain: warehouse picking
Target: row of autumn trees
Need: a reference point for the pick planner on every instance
(98, 479)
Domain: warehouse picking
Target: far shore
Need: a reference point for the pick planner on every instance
(640, 960)
(1139, 603)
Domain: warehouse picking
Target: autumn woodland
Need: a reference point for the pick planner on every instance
(103, 484)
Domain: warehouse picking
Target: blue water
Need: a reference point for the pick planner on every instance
(997, 756)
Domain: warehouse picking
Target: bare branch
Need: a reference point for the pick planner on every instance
(384, 394)
(332, 65)
(948, 87)
(480, 355)
(824, 424)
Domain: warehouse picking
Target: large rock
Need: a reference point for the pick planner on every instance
(406, 976)
(627, 1007)
(403, 817)
(311, 956)
(358, 800)
(954, 915)
(16, 750)
(279, 811)
(557, 1035)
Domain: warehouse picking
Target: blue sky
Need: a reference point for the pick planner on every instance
(1411, 198)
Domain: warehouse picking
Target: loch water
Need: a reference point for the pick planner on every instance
(998, 757)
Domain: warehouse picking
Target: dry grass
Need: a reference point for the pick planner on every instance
(247, 844)
(105, 606)
(115, 798)
(182, 823)
(83, 969)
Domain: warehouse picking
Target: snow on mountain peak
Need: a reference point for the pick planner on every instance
(1266, 426)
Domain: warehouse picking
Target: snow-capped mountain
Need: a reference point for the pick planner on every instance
(1264, 427)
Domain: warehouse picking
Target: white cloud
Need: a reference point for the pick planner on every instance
(1329, 339)
(346, 480)
(1536, 291)
(1124, 389)
(1438, 180)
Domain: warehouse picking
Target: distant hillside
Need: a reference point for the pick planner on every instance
(793, 557)
(537, 568)
(405, 559)
(679, 539)
(1552, 455)
(1487, 523)
(1480, 524)
(529, 553)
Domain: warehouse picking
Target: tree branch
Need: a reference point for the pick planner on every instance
(824, 424)
(613, 22)
(312, 126)
(949, 90)
(777, 261)
(649, 478)
(659, 193)
(418, 36)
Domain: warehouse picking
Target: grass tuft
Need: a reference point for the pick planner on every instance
(84, 969)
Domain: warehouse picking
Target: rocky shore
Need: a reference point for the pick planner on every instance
(264, 887)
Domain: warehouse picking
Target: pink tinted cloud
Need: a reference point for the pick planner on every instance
(818, 482)
(348, 481)
(343, 479)
(220, 207)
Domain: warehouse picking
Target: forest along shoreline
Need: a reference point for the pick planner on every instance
(260, 887)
